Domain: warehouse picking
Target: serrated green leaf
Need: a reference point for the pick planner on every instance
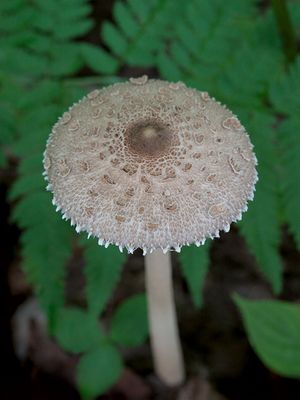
(33, 208)
(140, 9)
(125, 19)
(289, 143)
(260, 225)
(273, 330)
(129, 325)
(261, 228)
(139, 30)
(198, 53)
(20, 61)
(27, 184)
(113, 38)
(46, 247)
(30, 164)
(76, 331)
(241, 89)
(102, 271)
(194, 263)
(98, 59)
(285, 94)
(98, 370)
(73, 30)
(168, 69)
(65, 59)
(285, 98)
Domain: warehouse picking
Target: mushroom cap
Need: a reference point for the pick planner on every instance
(150, 164)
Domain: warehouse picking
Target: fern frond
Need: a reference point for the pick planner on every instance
(261, 225)
(203, 42)
(138, 32)
(202, 56)
(46, 239)
(45, 249)
(102, 272)
(289, 143)
(41, 50)
(285, 96)
(194, 265)
(98, 59)
(239, 88)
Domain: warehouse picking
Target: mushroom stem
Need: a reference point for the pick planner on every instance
(165, 342)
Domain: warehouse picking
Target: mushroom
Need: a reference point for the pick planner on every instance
(153, 165)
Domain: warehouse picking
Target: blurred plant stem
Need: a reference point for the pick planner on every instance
(287, 32)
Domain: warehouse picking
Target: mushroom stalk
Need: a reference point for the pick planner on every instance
(165, 342)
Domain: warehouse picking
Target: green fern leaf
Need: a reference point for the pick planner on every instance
(99, 60)
(200, 51)
(273, 331)
(98, 370)
(46, 247)
(114, 38)
(102, 272)
(194, 263)
(125, 20)
(289, 142)
(260, 225)
(76, 331)
(73, 30)
(168, 69)
(285, 95)
(26, 184)
(241, 89)
(139, 30)
(66, 59)
(41, 52)
(129, 325)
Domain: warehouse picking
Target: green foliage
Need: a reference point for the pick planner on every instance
(273, 329)
(261, 225)
(97, 370)
(102, 272)
(76, 331)
(98, 59)
(201, 54)
(230, 49)
(140, 29)
(285, 96)
(129, 325)
(203, 42)
(194, 265)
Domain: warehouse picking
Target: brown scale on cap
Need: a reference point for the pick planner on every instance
(150, 164)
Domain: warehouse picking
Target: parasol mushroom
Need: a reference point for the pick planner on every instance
(153, 165)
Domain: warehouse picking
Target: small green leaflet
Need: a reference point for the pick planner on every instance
(260, 226)
(98, 370)
(273, 329)
(285, 96)
(99, 60)
(129, 325)
(102, 271)
(76, 331)
(194, 266)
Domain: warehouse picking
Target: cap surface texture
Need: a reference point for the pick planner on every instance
(150, 164)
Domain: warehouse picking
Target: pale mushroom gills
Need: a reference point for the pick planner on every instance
(150, 164)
